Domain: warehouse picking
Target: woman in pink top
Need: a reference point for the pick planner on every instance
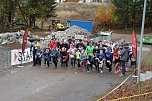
(71, 52)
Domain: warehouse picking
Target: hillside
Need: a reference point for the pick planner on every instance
(76, 11)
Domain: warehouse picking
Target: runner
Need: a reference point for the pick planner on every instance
(64, 57)
(108, 57)
(83, 58)
(47, 56)
(100, 60)
(55, 56)
(116, 60)
(77, 54)
(33, 49)
(71, 53)
(38, 56)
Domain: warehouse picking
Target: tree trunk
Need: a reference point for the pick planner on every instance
(150, 17)
(34, 20)
(126, 15)
(30, 21)
(42, 24)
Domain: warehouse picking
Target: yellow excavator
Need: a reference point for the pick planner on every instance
(56, 25)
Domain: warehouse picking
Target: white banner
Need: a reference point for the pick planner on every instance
(17, 56)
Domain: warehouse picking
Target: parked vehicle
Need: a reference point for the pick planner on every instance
(146, 40)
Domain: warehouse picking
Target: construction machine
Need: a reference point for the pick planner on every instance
(57, 25)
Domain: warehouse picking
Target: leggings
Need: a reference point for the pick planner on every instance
(38, 61)
(89, 67)
(78, 63)
(73, 61)
(109, 65)
(55, 61)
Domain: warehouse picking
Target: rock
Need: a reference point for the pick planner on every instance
(70, 32)
(145, 76)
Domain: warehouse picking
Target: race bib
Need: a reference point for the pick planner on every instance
(108, 60)
(38, 53)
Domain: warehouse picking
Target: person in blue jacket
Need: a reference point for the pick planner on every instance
(47, 55)
(38, 56)
(55, 55)
(100, 58)
(109, 58)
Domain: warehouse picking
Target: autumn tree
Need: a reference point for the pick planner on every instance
(105, 15)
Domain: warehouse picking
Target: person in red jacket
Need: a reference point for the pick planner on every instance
(53, 44)
(116, 58)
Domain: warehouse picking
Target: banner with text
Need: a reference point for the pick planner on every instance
(17, 57)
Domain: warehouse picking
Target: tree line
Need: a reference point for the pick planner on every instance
(124, 14)
(26, 12)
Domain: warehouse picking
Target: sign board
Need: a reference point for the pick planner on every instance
(17, 56)
(79, 37)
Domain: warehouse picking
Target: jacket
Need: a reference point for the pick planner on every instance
(124, 54)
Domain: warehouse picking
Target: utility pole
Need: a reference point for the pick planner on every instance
(141, 41)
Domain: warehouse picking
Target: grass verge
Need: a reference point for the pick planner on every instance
(133, 88)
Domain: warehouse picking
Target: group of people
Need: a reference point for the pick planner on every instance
(84, 55)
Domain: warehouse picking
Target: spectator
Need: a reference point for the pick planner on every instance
(124, 57)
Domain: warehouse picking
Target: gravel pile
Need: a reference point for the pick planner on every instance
(70, 32)
(77, 30)
(14, 39)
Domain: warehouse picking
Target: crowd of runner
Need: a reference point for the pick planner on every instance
(84, 55)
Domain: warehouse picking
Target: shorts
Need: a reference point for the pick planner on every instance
(100, 61)
(117, 61)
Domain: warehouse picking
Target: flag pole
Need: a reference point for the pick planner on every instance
(24, 45)
(141, 41)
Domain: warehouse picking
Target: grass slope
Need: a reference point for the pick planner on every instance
(133, 88)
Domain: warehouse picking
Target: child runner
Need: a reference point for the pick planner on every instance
(77, 54)
(89, 65)
(55, 56)
(83, 58)
(47, 57)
